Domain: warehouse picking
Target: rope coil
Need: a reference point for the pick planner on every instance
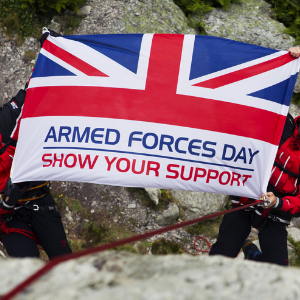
(207, 242)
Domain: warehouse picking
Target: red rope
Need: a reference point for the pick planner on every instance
(47, 267)
(8, 230)
(207, 242)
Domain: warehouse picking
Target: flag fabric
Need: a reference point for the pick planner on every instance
(170, 111)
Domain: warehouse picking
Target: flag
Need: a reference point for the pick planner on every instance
(168, 111)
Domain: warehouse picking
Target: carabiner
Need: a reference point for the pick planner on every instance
(267, 202)
(35, 207)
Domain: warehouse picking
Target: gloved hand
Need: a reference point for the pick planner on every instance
(12, 193)
(45, 35)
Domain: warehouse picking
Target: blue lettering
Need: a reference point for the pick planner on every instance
(206, 148)
(51, 135)
(155, 142)
(95, 135)
(117, 137)
(177, 145)
(226, 146)
(252, 155)
(167, 143)
(86, 133)
(193, 146)
(64, 131)
(241, 155)
(132, 138)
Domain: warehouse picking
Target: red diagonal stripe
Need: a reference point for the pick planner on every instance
(246, 73)
(200, 113)
(72, 60)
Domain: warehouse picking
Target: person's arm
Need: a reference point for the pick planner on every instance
(9, 115)
(289, 204)
(12, 194)
(294, 51)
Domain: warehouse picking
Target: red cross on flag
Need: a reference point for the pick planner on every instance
(169, 111)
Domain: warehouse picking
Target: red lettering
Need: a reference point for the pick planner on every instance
(176, 173)
(221, 176)
(60, 160)
(109, 162)
(134, 169)
(235, 177)
(127, 165)
(209, 176)
(155, 168)
(197, 173)
(87, 159)
(74, 161)
(182, 173)
(246, 178)
(47, 160)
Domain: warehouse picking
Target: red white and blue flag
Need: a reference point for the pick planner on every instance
(169, 111)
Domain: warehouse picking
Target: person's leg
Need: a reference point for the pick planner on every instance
(233, 231)
(49, 229)
(273, 243)
(18, 244)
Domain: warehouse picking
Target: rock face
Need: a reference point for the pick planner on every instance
(154, 194)
(294, 111)
(119, 275)
(169, 216)
(15, 67)
(251, 22)
(144, 16)
(196, 205)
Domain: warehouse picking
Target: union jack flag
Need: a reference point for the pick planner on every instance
(202, 72)
(200, 88)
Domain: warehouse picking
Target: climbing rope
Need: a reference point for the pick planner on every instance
(50, 265)
(7, 230)
(204, 239)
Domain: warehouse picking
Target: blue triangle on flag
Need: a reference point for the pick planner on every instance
(47, 67)
(280, 93)
(122, 48)
(212, 54)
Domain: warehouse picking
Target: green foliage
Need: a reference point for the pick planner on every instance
(145, 199)
(296, 98)
(197, 8)
(162, 246)
(208, 228)
(71, 23)
(144, 246)
(46, 6)
(28, 17)
(288, 12)
(94, 234)
(28, 56)
(74, 205)
(11, 22)
(297, 250)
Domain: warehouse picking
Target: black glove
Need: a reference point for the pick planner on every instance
(13, 192)
(45, 35)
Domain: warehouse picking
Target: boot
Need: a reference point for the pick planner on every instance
(250, 250)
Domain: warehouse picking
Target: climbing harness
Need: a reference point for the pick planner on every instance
(42, 188)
